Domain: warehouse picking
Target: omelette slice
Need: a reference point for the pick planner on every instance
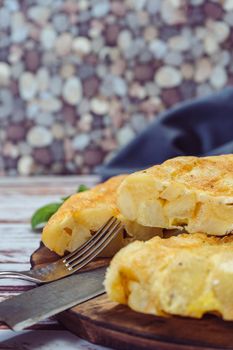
(184, 192)
(187, 275)
(84, 213)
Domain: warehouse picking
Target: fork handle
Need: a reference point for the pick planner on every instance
(14, 274)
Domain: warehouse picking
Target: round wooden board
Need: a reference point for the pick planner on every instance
(103, 322)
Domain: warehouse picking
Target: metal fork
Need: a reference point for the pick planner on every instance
(73, 261)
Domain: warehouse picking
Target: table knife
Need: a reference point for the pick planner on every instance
(30, 307)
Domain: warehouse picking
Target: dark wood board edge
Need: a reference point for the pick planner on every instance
(90, 330)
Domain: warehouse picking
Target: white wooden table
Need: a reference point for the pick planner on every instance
(19, 198)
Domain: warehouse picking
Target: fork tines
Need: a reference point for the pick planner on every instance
(89, 250)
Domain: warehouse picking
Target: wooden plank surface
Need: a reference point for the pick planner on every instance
(19, 197)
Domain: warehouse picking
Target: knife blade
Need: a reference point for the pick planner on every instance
(30, 307)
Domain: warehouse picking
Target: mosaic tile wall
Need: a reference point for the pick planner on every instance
(79, 79)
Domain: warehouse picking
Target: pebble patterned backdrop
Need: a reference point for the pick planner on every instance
(80, 78)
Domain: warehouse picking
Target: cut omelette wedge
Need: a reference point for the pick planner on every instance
(184, 192)
(186, 275)
(84, 213)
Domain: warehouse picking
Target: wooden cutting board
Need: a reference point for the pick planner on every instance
(103, 322)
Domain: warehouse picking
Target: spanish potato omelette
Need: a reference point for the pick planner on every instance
(187, 275)
(184, 192)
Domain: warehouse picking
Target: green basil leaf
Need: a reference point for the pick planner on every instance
(82, 188)
(42, 215)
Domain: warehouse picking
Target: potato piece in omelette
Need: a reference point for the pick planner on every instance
(84, 213)
(189, 192)
(187, 275)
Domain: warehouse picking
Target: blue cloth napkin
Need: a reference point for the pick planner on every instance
(199, 127)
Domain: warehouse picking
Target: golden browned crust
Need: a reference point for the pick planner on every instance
(104, 193)
(209, 174)
(188, 275)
